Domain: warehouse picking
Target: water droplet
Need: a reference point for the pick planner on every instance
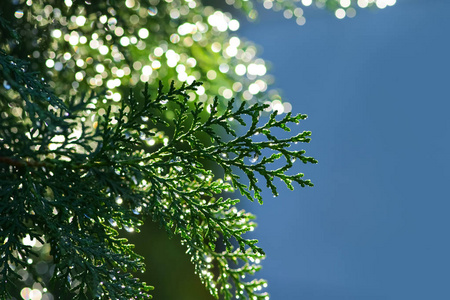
(112, 222)
(137, 210)
(6, 85)
(129, 229)
(254, 158)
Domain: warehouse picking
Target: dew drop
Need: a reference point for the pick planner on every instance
(137, 210)
(6, 85)
(112, 222)
(254, 158)
(129, 229)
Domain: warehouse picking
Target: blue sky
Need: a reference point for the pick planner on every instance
(376, 89)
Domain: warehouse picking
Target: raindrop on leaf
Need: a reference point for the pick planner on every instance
(254, 158)
(6, 85)
(112, 222)
(137, 210)
(129, 229)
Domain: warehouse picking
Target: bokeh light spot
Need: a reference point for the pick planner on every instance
(340, 13)
(345, 3)
(211, 74)
(152, 11)
(233, 25)
(143, 33)
(81, 20)
(18, 14)
(174, 38)
(306, 2)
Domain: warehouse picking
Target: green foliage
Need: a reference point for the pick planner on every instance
(76, 169)
(70, 187)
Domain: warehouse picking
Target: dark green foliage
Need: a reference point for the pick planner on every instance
(75, 171)
(69, 182)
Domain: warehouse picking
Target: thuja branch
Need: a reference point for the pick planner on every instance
(182, 196)
(78, 184)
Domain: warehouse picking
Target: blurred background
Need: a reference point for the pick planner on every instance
(375, 88)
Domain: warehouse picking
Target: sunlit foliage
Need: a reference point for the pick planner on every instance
(64, 190)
